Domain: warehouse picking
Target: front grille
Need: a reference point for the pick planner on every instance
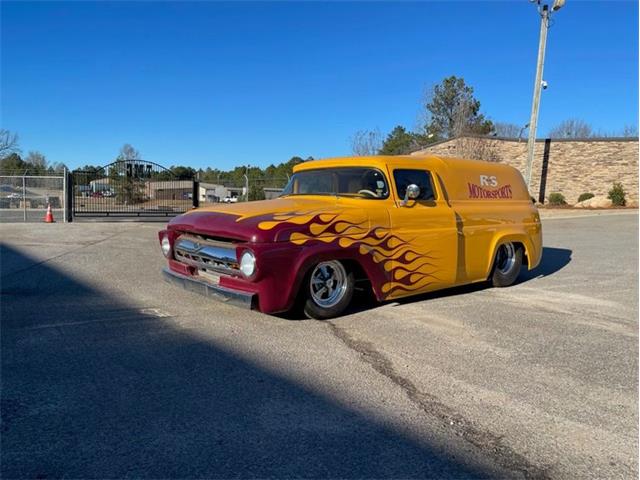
(207, 255)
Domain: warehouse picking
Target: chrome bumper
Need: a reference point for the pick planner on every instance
(234, 297)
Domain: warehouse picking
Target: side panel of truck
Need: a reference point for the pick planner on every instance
(492, 206)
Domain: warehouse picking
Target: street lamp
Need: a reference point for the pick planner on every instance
(246, 183)
(539, 84)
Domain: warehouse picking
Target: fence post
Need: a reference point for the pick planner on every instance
(24, 198)
(68, 200)
(195, 195)
(64, 196)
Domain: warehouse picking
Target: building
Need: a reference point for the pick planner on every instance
(213, 193)
(271, 193)
(178, 190)
(567, 166)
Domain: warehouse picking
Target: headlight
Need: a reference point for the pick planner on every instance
(247, 263)
(166, 246)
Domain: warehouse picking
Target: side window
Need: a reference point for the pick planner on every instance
(421, 178)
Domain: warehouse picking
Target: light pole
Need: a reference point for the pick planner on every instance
(246, 183)
(545, 15)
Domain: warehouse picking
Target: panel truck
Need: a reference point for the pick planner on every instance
(399, 225)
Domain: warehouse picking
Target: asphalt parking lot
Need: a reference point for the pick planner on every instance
(109, 372)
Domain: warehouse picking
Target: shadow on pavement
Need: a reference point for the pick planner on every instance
(553, 260)
(94, 387)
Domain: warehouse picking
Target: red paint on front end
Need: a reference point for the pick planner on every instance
(280, 265)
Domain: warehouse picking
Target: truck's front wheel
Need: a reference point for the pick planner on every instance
(329, 289)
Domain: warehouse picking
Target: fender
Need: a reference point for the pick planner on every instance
(533, 252)
(309, 257)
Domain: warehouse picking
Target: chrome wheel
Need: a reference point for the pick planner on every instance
(505, 258)
(328, 283)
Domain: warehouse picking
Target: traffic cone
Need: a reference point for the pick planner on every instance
(48, 218)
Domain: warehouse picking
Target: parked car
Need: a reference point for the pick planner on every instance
(400, 226)
(230, 200)
(109, 193)
(14, 195)
(96, 194)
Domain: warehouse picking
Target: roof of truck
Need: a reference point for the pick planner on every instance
(392, 160)
(461, 176)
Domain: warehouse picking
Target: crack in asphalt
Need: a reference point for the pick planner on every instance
(487, 442)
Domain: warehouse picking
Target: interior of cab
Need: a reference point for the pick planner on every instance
(347, 181)
(421, 178)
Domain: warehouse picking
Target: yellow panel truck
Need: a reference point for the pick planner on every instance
(401, 225)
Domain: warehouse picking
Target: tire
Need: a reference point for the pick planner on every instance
(507, 265)
(329, 289)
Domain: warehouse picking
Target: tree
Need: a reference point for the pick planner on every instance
(183, 173)
(630, 131)
(507, 130)
(37, 163)
(571, 128)
(88, 168)
(400, 142)
(366, 142)
(58, 167)
(256, 193)
(127, 152)
(452, 110)
(123, 176)
(8, 143)
(12, 164)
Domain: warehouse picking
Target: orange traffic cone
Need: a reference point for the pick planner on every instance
(48, 218)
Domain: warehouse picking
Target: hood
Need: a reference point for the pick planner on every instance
(274, 220)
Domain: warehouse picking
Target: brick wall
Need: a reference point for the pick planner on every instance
(570, 167)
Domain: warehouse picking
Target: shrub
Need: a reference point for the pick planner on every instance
(616, 194)
(557, 199)
(585, 196)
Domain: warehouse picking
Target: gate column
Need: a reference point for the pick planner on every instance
(195, 195)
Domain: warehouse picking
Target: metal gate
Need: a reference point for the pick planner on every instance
(131, 188)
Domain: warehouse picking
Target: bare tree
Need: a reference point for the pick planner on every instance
(8, 143)
(507, 130)
(127, 152)
(630, 131)
(37, 160)
(571, 128)
(366, 142)
(477, 148)
(59, 167)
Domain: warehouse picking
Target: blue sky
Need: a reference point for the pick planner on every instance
(222, 84)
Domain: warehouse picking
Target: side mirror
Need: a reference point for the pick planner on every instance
(413, 192)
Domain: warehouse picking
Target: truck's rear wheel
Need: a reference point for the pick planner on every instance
(329, 289)
(507, 264)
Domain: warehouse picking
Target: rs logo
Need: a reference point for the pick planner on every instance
(488, 181)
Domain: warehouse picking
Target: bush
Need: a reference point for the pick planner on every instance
(585, 196)
(616, 194)
(557, 199)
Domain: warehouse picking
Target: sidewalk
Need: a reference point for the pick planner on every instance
(549, 213)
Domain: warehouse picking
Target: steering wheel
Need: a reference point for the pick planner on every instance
(368, 192)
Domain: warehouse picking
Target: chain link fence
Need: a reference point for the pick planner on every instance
(24, 198)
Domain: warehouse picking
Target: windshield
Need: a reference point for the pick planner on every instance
(345, 181)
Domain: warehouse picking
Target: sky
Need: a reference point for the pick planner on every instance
(214, 84)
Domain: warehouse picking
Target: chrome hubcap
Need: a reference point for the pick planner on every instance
(328, 283)
(506, 258)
